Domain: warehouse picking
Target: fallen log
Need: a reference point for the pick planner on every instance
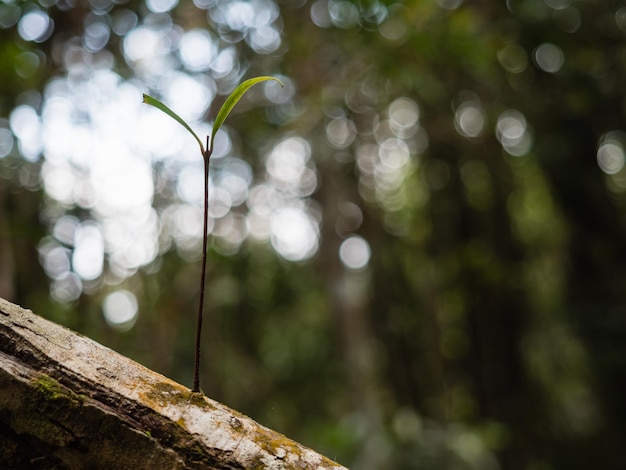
(69, 402)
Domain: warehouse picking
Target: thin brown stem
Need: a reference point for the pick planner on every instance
(196, 372)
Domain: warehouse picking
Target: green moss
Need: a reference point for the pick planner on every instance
(53, 390)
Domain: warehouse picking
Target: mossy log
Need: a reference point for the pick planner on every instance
(69, 402)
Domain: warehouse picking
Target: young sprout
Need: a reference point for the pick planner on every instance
(223, 113)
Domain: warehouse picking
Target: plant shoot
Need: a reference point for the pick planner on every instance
(206, 152)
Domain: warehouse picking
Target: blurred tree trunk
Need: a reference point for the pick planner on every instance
(68, 402)
(7, 288)
(22, 278)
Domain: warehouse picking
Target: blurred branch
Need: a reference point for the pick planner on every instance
(69, 402)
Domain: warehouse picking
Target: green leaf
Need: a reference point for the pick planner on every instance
(232, 100)
(157, 104)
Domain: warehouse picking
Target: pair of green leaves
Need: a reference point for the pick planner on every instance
(223, 113)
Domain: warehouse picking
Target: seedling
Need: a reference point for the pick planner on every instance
(223, 113)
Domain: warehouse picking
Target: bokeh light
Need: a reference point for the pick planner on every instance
(120, 309)
(6, 141)
(513, 133)
(610, 153)
(294, 234)
(161, 6)
(197, 50)
(35, 26)
(469, 119)
(549, 57)
(26, 126)
(354, 253)
(88, 256)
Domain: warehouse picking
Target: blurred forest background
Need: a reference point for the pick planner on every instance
(418, 245)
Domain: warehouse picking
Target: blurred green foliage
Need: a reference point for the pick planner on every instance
(476, 147)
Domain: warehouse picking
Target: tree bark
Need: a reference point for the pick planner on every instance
(69, 402)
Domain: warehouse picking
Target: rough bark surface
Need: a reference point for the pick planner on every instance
(69, 402)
